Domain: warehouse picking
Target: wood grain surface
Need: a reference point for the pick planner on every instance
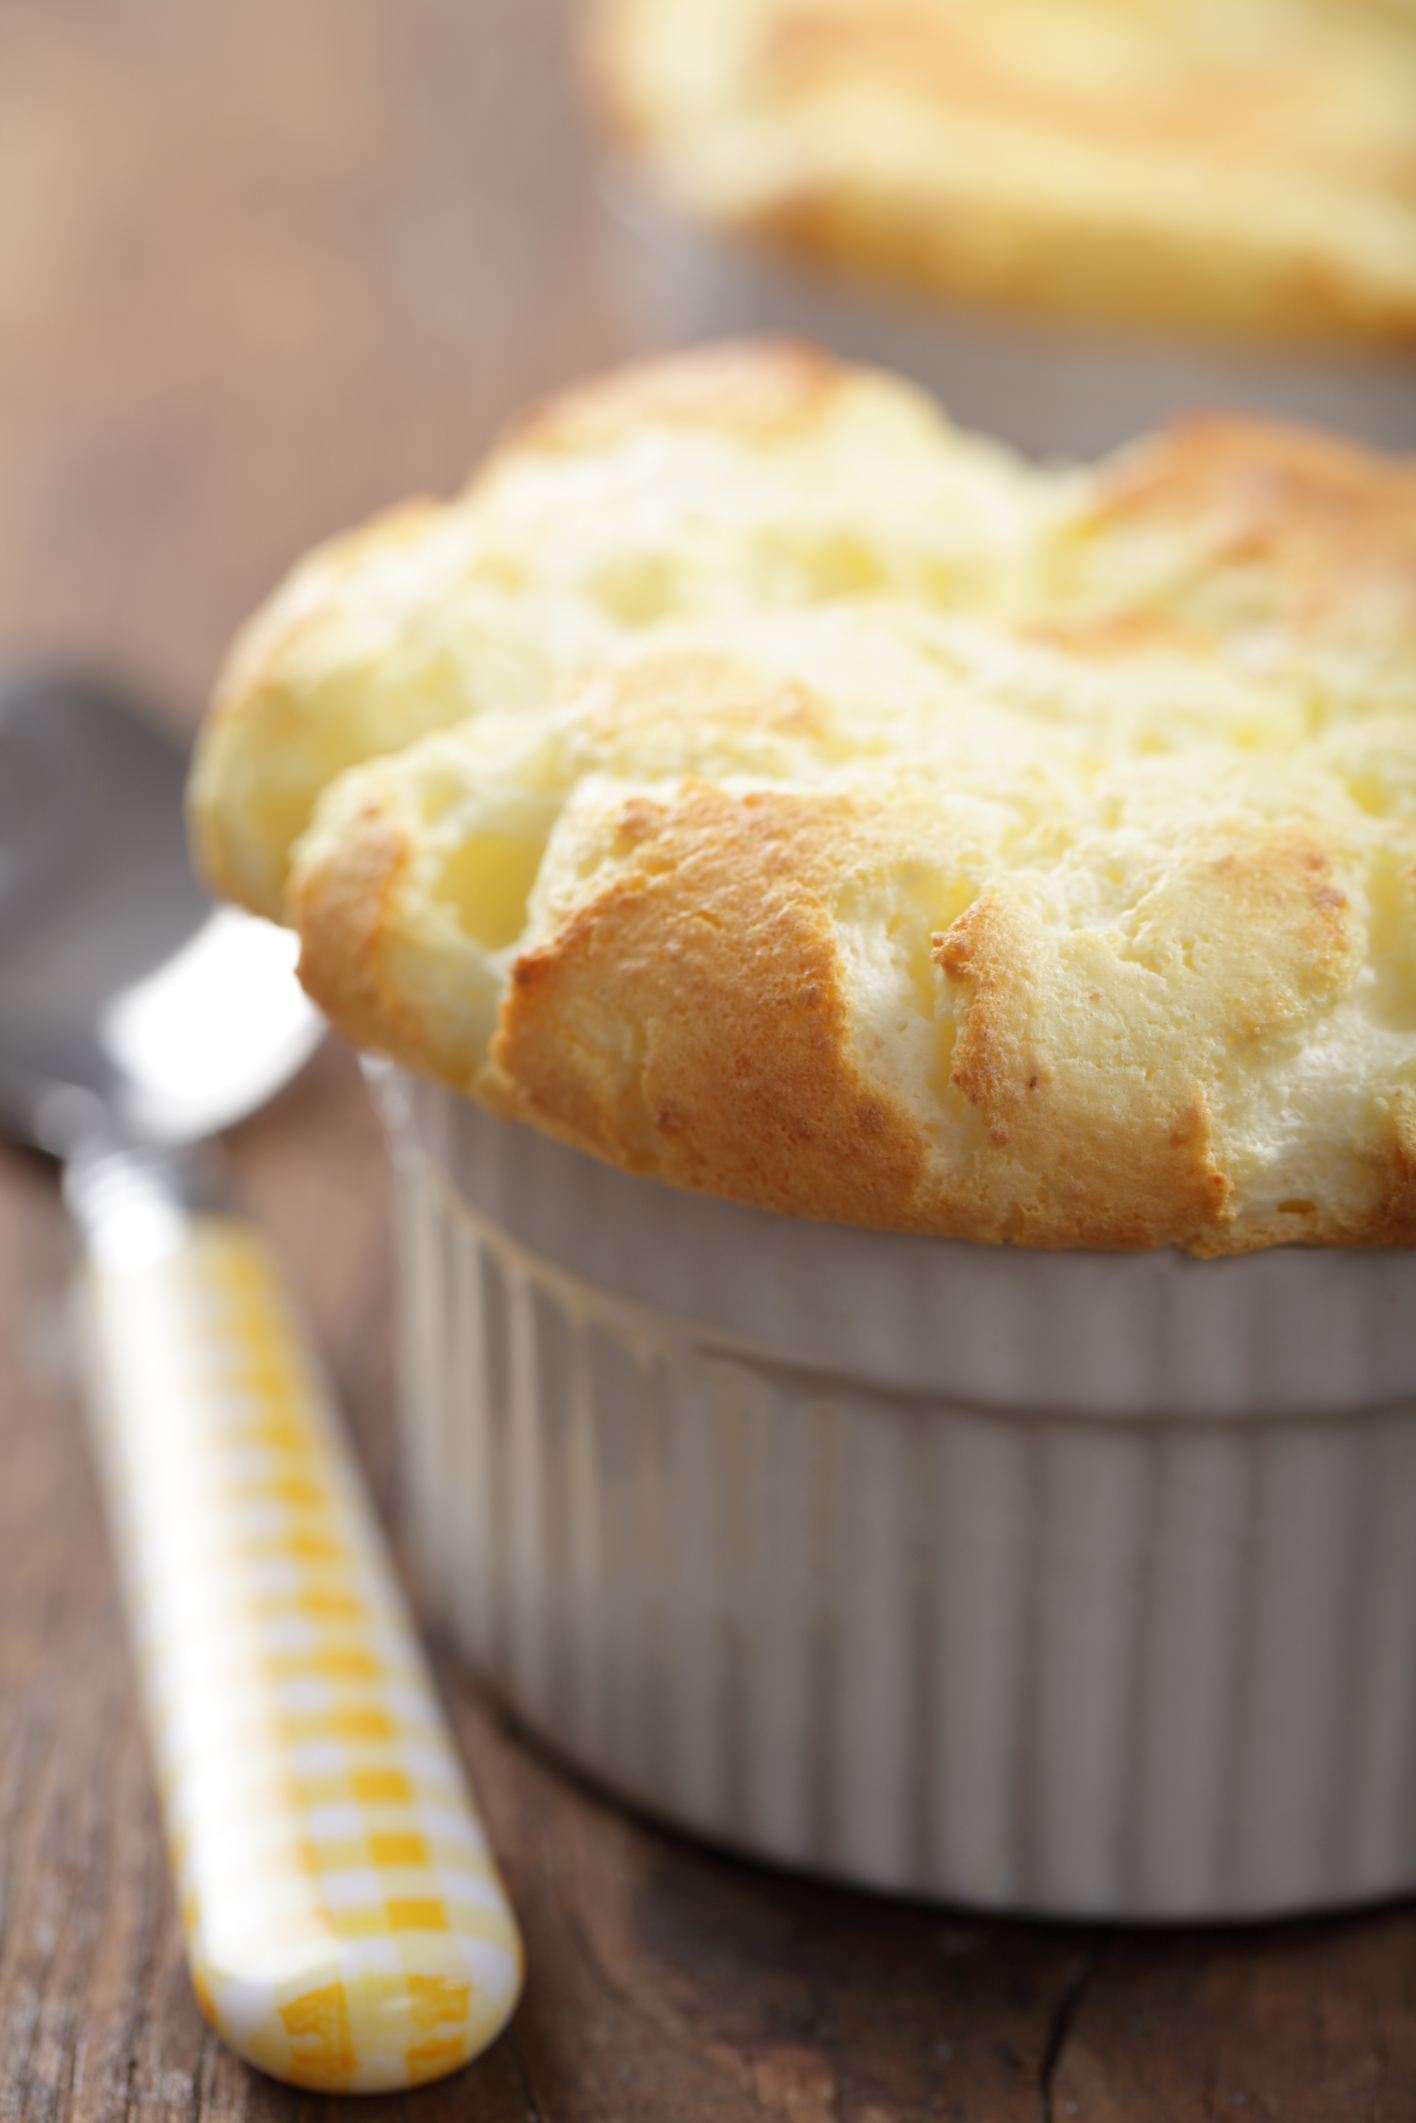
(262, 268)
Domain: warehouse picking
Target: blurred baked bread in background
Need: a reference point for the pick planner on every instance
(758, 783)
(1241, 169)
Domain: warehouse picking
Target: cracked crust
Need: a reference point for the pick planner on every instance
(720, 479)
(632, 1031)
(1064, 896)
(1281, 526)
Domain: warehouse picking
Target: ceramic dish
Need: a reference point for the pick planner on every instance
(1075, 1584)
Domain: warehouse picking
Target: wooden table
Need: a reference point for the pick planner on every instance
(263, 268)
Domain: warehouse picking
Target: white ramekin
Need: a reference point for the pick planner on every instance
(1051, 393)
(1068, 1583)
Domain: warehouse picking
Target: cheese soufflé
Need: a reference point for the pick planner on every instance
(758, 783)
(1234, 169)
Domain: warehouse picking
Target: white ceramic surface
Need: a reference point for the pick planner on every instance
(1053, 393)
(1081, 1584)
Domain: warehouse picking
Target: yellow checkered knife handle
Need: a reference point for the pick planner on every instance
(345, 1925)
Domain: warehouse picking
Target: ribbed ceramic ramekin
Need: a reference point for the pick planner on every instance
(1068, 1583)
(1055, 392)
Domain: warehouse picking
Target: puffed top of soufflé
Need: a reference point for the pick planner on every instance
(1239, 170)
(756, 782)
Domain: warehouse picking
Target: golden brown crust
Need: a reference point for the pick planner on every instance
(340, 911)
(1326, 527)
(1394, 1155)
(690, 1019)
(1138, 1173)
(1245, 172)
(413, 990)
(858, 827)
(633, 1033)
(1133, 1163)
